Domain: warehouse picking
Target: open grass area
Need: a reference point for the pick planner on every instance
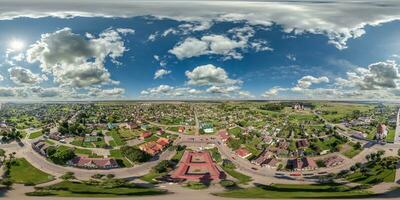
(350, 151)
(117, 154)
(23, 172)
(151, 176)
(196, 185)
(375, 172)
(280, 191)
(117, 140)
(242, 179)
(35, 135)
(77, 189)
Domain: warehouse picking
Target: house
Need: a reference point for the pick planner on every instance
(128, 125)
(145, 135)
(93, 163)
(41, 147)
(271, 163)
(262, 158)
(381, 132)
(181, 129)
(302, 144)
(333, 161)
(223, 135)
(56, 136)
(283, 145)
(300, 164)
(160, 131)
(207, 128)
(111, 126)
(154, 147)
(359, 135)
(91, 138)
(243, 153)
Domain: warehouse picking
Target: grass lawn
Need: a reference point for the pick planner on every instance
(391, 135)
(23, 172)
(243, 179)
(151, 176)
(350, 151)
(117, 154)
(118, 141)
(35, 134)
(376, 173)
(280, 191)
(196, 185)
(77, 189)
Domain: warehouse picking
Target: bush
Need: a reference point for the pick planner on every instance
(135, 154)
(39, 193)
(227, 183)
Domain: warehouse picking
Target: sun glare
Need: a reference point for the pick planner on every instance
(16, 45)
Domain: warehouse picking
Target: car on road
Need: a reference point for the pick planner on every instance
(253, 168)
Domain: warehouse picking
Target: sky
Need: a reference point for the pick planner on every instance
(264, 50)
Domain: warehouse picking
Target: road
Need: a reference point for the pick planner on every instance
(41, 163)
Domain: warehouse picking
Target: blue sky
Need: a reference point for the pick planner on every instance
(63, 51)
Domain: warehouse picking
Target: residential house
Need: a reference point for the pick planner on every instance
(93, 163)
(300, 164)
(333, 161)
(145, 135)
(223, 134)
(243, 153)
(154, 147)
(41, 147)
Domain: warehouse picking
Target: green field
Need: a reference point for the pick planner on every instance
(77, 189)
(280, 191)
(117, 140)
(378, 171)
(117, 154)
(35, 134)
(23, 172)
(242, 179)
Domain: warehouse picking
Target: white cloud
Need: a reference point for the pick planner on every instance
(209, 75)
(106, 93)
(23, 76)
(291, 57)
(220, 45)
(75, 61)
(306, 81)
(380, 75)
(348, 21)
(273, 91)
(161, 73)
(125, 31)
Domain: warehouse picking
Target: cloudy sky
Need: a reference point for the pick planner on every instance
(53, 50)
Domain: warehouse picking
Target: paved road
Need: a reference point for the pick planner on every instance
(40, 162)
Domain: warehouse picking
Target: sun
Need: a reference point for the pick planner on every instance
(16, 45)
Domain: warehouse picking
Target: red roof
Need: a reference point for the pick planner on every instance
(224, 135)
(81, 161)
(242, 152)
(145, 134)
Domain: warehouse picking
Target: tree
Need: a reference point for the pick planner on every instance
(135, 154)
(61, 156)
(3, 154)
(357, 145)
(368, 157)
